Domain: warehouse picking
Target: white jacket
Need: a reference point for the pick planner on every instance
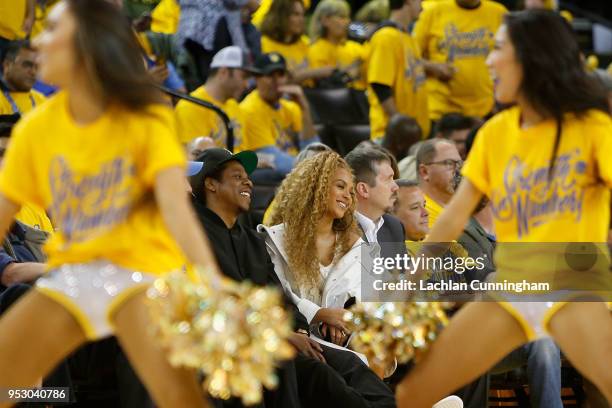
(342, 282)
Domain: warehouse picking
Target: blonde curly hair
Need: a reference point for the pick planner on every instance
(301, 202)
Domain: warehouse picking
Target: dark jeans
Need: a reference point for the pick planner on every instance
(543, 361)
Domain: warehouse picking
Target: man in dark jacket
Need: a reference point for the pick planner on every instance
(318, 376)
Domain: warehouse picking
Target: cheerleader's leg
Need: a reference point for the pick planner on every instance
(169, 386)
(583, 331)
(477, 337)
(36, 333)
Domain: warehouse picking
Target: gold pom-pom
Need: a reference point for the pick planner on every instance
(385, 332)
(236, 334)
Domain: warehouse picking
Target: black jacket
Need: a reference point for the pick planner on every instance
(241, 254)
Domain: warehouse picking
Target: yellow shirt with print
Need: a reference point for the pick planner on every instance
(395, 61)
(447, 33)
(195, 121)
(165, 17)
(295, 54)
(510, 165)
(25, 101)
(347, 55)
(34, 217)
(265, 125)
(12, 15)
(97, 183)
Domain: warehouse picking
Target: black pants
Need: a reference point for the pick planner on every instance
(344, 381)
(202, 56)
(285, 395)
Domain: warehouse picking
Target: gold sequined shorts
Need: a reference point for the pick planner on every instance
(92, 292)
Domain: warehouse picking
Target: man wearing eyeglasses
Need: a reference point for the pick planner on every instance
(438, 165)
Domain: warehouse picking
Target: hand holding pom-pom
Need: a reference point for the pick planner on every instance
(386, 332)
(236, 334)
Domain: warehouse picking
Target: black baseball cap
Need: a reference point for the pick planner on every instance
(212, 159)
(268, 63)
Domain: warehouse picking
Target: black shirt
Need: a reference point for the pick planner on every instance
(241, 254)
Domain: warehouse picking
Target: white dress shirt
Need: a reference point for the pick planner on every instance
(369, 227)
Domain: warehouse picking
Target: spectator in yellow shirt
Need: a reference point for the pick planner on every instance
(396, 76)
(165, 17)
(30, 214)
(16, 20)
(330, 47)
(274, 127)
(411, 210)
(19, 68)
(455, 37)
(283, 32)
(227, 80)
(264, 7)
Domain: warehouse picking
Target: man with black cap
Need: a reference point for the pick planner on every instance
(274, 127)
(318, 376)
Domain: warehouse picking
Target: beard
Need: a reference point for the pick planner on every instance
(454, 183)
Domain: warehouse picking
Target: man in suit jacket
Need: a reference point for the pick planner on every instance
(376, 190)
(319, 376)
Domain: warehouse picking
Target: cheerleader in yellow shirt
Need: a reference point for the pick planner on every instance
(102, 157)
(545, 165)
(330, 47)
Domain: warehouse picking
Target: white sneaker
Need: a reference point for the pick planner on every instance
(449, 402)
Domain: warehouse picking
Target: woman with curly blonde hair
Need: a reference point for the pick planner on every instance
(314, 243)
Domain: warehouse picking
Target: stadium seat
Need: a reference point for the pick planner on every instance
(346, 137)
(339, 106)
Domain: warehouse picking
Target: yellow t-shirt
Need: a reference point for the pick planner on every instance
(510, 165)
(434, 209)
(96, 183)
(12, 15)
(349, 54)
(295, 54)
(265, 125)
(195, 121)
(34, 217)
(447, 33)
(25, 101)
(394, 60)
(165, 17)
(264, 6)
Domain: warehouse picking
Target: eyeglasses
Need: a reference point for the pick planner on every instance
(448, 163)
